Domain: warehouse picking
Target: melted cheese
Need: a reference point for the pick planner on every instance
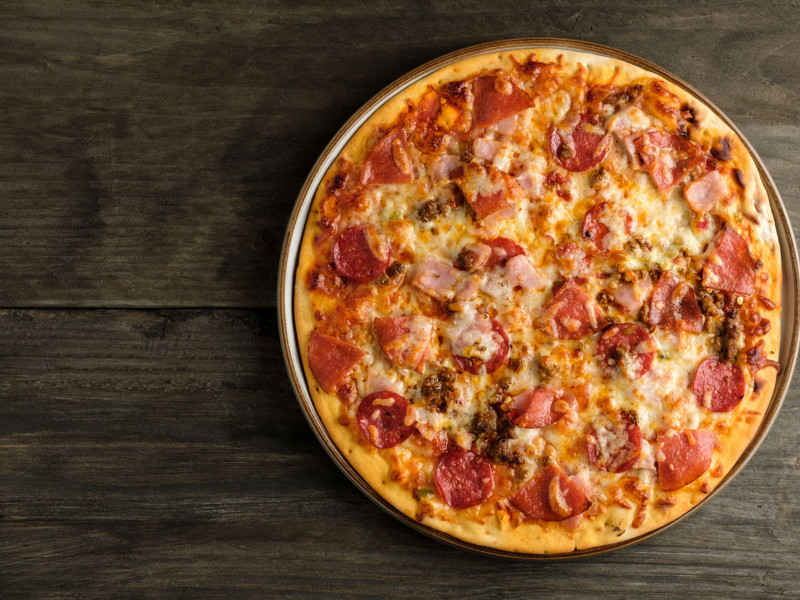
(646, 229)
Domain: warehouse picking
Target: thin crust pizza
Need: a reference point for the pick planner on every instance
(538, 300)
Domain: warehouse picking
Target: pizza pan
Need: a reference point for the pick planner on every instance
(790, 321)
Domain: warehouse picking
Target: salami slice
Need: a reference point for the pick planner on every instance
(580, 146)
(429, 136)
(488, 189)
(730, 267)
(534, 408)
(717, 385)
(595, 225)
(550, 496)
(463, 478)
(405, 340)
(477, 338)
(502, 250)
(593, 229)
(496, 98)
(683, 456)
(572, 314)
(384, 419)
(626, 347)
(388, 161)
(360, 253)
(674, 305)
(614, 442)
(668, 158)
(331, 359)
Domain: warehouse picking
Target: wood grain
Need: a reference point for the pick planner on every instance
(162, 452)
(150, 154)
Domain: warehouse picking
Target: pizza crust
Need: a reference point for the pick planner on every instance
(615, 525)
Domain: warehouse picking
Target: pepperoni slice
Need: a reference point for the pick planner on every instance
(550, 496)
(535, 408)
(388, 161)
(628, 347)
(331, 359)
(405, 340)
(717, 385)
(384, 419)
(683, 456)
(730, 267)
(502, 250)
(496, 98)
(572, 314)
(463, 478)
(674, 305)
(580, 147)
(360, 253)
(668, 158)
(478, 334)
(614, 443)
(488, 189)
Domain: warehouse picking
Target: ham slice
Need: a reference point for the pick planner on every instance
(522, 273)
(485, 148)
(436, 278)
(631, 296)
(443, 166)
(505, 127)
(628, 121)
(469, 286)
(705, 191)
(533, 183)
(530, 174)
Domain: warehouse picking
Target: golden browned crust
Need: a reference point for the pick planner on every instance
(615, 524)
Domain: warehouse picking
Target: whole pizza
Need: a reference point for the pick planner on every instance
(538, 300)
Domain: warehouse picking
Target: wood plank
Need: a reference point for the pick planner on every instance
(162, 453)
(151, 156)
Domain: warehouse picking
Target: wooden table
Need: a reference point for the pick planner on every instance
(150, 443)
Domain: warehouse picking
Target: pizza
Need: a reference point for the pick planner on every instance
(538, 300)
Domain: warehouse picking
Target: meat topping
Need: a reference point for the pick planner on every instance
(439, 390)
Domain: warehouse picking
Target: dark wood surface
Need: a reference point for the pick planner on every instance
(150, 442)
